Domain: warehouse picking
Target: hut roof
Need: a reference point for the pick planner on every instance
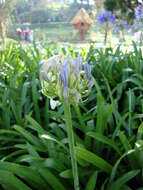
(81, 16)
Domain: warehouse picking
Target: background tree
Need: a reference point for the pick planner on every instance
(6, 7)
(125, 7)
(98, 5)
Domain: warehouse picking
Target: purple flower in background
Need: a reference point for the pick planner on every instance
(132, 29)
(139, 12)
(125, 24)
(138, 36)
(116, 28)
(106, 17)
(121, 25)
(87, 70)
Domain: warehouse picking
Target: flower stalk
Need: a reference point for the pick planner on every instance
(106, 34)
(68, 79)
(70, 133)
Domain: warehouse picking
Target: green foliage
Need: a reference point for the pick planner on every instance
(125, 7)
(108, 126)
(45, 11)
(110, 5)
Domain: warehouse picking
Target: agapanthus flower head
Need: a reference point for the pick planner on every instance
(106, 17)
(139, 12)
(116, 28)
(66, 78)
(121, 25)
(132, 29)
(125, 24)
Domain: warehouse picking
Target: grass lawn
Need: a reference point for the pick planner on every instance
(66, 35)
(65, 32)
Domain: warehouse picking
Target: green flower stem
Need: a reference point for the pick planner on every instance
(106, 33)
(67, 112)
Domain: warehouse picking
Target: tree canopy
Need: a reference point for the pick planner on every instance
(126, 7)
(6, 6)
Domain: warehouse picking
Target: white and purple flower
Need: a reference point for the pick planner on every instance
(66, 78)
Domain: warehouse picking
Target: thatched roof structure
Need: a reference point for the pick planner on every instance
(81, 17)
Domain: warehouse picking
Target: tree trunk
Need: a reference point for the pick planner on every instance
(2, 31)
(105, 37)
(122, 36)
(88, 4)
(99, 5)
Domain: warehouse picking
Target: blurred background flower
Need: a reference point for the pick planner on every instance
(105, 17)
(139, 12)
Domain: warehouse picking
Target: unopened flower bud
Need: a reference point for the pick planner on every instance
(66, 78)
